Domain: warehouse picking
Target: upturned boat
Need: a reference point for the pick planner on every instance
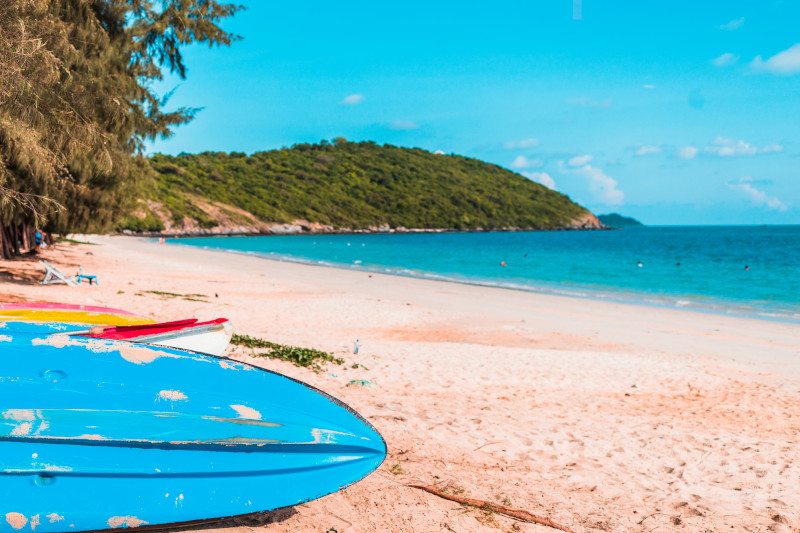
(104, 434)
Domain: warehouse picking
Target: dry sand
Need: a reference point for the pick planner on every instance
(603, 416)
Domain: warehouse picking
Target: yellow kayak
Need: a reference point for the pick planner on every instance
(70, 314)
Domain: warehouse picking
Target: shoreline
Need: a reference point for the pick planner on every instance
(278, 230)
(719, 307)
(602, 416)
(563, 305)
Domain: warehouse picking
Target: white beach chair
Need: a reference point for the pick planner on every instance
(54, 275)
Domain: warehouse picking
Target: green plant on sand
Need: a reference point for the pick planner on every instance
(305, 357)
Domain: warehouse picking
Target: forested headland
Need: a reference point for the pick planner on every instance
(345, 186)
(615, 220)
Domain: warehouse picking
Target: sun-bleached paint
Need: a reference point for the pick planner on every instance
(20, 415)
(245, 412)
(138, 355)
(16, 520)
(22, 429)
(90, 436)
(174, 395)
(55, 468)
(124, 521)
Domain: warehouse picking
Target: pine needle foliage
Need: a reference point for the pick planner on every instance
(76, 105)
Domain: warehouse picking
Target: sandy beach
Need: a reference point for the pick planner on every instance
(602, 416)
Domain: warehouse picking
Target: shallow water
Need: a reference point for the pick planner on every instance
(699, 267)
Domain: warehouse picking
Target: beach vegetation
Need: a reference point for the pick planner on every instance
(355, 185)
(77, 104)
(192, 297)
(74, 241)
(143, 222)
(303, 357)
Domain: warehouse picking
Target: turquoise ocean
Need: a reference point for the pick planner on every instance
(740, 270)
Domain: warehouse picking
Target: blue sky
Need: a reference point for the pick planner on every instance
(673, 112)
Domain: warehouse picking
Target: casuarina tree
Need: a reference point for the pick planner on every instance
(77, 106)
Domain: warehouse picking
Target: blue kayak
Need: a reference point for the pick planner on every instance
(98, 434)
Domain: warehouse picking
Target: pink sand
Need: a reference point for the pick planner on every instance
(604, 416)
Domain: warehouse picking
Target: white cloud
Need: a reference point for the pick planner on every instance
(740, 148)
(732, 25)
(603, 187)
(585, 101)
(403, 125)
(648, 86)
(730, 148)
(786, 62)
(438, 152)
(353, 99)
(523, 162)
(772, 148)
(687, 152)
(648, 150)
(580, 160)
(541, 177)
(524, 143)
(725, 60)
(758, 197)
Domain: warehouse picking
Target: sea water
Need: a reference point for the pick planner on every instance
(743, 270)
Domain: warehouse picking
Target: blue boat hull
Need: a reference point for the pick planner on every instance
(101, 434)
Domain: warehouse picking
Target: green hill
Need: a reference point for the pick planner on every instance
(615, 220)
(345, 186)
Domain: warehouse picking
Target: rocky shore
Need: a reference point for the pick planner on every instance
(191, 228)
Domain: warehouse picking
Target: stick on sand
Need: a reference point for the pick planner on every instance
(519, 514)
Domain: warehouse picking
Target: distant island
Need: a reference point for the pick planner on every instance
(615, 220)
(344, 186)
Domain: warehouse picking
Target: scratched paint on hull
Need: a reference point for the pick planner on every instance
(104, 443)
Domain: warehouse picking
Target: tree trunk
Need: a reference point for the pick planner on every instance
(16, 239)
